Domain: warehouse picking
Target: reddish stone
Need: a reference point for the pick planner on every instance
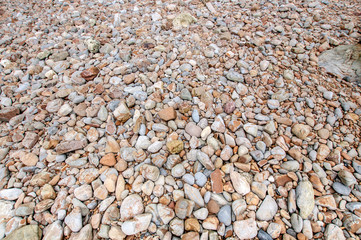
(70, 146)
(90, 73)
(216, 181)
(167, 114)
(281, 180)
(7, 113)
(229, 107)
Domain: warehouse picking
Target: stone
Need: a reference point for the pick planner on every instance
(84, 192)
(301, 131)
(216, 181)
(90, 73)
(326, 201)
(341, 188)
(240, 183)
(333, 232)
(70, 146)
(218, 125)
(166, 214)
(167, 114)
(184, 208)
(176, 226)
(131, 206)
(346, 178)
(305, 198)
(29, 232)
(245, 229)
(267, 210)
(108, 160)
(30, 140)
(193, 130)
(205, 160)
(122, 112)
(10, 193)
(225, 215)
(93, 45)
(193, 194)
(175, 146)
(138, 224)
(322, 152)
(29, 159)
(53, 231)
(251, 129)
(7, 113)
(74, 220)
(183, 20)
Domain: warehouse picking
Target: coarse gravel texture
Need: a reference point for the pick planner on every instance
(179, 120)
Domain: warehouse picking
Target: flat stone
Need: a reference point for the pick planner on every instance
(7, 113)
(10, 194)
(138, 224)
(167, 114)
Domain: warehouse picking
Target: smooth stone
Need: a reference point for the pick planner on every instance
(305, 198)
(267, 210)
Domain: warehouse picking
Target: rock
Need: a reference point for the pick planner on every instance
(235, 76)
(347, 178)
(166, 214)
(122, 113)
(6, 209)
(150, 172)
(138, 224)
(53, 231)
(251, 129)
(305, 198)
(218, 125)
(167, 114)
(184, 208)
(274, 230)
(245, 229)
(338, 62)
(29, 232)
(74, 220)
(301, 131)
(267, 210)
(322, 152)
(29, 159)
(84, 192)
(262, 235)
(352, 223)
(240, 183)
(93, 45)
(84, 234)
(30, 140)
(341, 189)
(175, 146)
(229, 107)
(225, 215)
(205, 160)
(7, 113)
(108, 160)
(326, 201)
(131, 206)
(10, 194)
(333, 232)
(70, 146)
(183, 20)
(193, 194)
(176, 226)
(216, 181)
(90, 73)
(193, 130)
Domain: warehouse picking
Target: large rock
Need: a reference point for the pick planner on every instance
(333, 232)
(28, 232)
(193, 194)
(53, 231)
(343, 61)
(7, 113)
(70, 146)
